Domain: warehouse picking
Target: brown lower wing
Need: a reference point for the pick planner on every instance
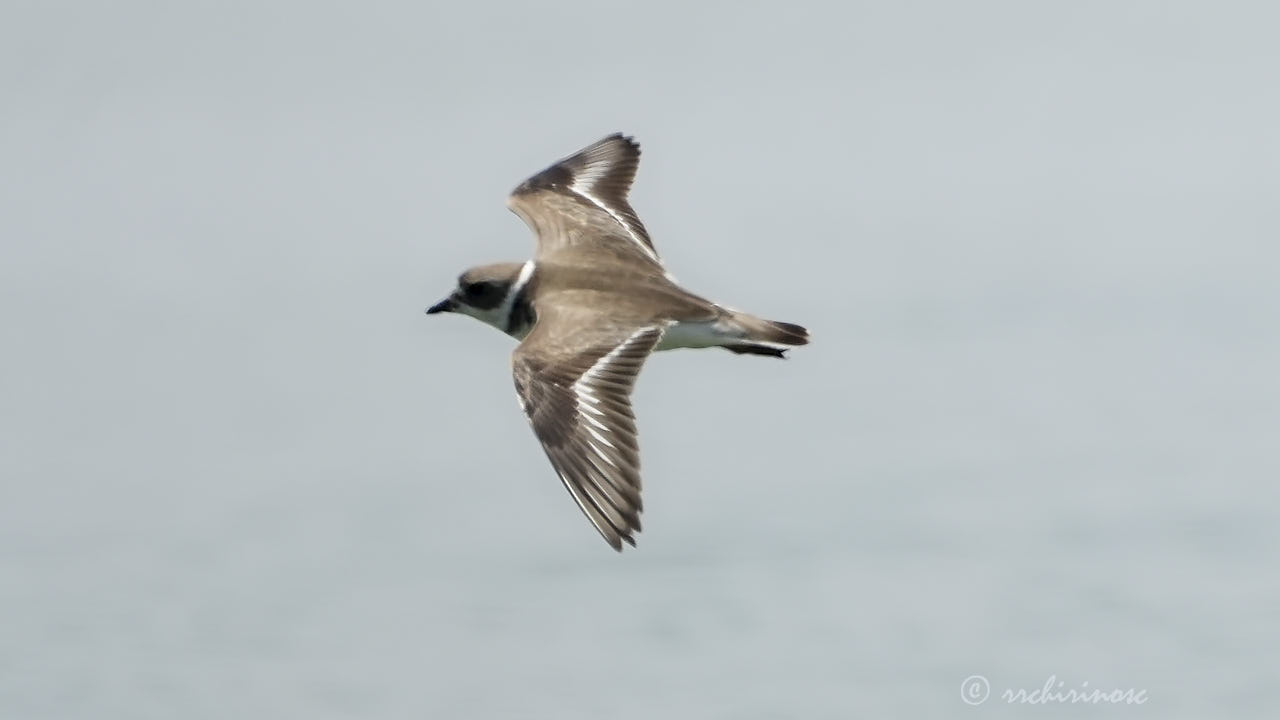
(575, 387)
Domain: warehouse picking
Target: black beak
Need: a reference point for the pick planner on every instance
(445, 305)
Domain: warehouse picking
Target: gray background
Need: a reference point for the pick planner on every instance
(244, 476)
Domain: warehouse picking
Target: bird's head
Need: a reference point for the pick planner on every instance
(487, 293)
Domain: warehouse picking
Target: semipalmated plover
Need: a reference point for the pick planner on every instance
(588, 309)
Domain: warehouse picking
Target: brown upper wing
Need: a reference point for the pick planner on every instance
(580, 204)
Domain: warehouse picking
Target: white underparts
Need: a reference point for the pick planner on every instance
(699, 335)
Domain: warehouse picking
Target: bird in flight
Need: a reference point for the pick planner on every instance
(588, 309)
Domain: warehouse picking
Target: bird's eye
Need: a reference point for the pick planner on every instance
(475, 289)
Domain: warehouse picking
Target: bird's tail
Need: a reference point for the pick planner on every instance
(766, 337)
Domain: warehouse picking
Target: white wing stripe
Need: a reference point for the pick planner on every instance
(584, 191)
(594, 453)
(600, 452)
(595, 434)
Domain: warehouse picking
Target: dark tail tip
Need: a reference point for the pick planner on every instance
(785, 333)
(748, 349)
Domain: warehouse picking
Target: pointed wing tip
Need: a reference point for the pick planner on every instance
(611, 153)
(629, 140)
(615, 540)
(610, 149)
(625, 144)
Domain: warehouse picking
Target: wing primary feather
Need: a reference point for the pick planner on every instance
(580, 410)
